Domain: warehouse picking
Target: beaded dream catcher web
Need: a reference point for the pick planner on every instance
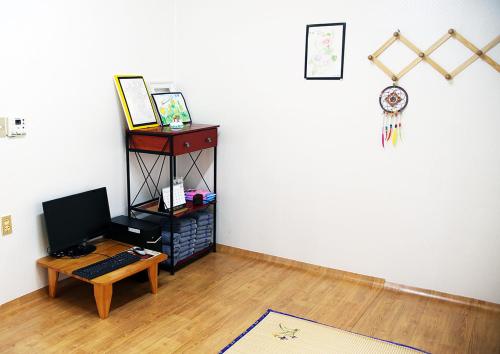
(393, 100)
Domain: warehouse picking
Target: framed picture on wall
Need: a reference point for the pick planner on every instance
(136, 101)
(171, 107)
(325, 51)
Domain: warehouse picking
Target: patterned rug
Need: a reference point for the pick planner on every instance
(277, 332)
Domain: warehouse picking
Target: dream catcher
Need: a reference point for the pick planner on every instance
(393, 100)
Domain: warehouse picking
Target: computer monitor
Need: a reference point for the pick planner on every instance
(74, 219)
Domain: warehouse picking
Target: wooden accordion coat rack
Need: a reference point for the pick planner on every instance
(425, 55)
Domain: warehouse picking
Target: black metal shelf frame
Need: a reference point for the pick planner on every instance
(155, 193)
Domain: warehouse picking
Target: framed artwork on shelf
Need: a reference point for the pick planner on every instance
(136, 101)
(171, 108)
(325, 45)
(162, 86)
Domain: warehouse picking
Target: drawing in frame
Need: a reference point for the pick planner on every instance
(136, 101)
(325, 45)
(171, 106)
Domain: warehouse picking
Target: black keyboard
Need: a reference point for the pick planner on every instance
(106, 266)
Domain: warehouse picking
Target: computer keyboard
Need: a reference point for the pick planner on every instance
(106, 266)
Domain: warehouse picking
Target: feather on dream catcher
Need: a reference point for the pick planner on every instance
(393, 100)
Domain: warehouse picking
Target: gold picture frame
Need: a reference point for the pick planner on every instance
(136, 102)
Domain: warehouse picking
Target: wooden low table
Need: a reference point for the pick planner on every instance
(103, 285)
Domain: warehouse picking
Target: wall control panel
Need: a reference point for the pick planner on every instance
(16, 127)
(12, 127)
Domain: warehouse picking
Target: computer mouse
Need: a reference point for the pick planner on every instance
(139, 250)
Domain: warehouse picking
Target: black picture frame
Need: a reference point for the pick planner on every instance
(307, 75)
(163, 94)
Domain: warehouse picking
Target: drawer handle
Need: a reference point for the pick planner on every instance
(186, 144)
(208, 140)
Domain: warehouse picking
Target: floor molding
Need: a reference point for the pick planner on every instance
(438, 295)
(368, 280)
(339, 274)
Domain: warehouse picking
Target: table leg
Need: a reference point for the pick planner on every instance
(103, 294)
(53, 276)
(153, 277)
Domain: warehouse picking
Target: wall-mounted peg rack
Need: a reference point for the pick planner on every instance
(425, 55)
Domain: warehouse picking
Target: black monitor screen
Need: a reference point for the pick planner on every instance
(77, 218)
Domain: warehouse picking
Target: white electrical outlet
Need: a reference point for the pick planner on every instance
(6, 225)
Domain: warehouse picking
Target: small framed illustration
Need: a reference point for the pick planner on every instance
(136, 101)
(171, 108)
(325, 51)
(162, 86)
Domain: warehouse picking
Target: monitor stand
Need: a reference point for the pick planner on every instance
(80, 250)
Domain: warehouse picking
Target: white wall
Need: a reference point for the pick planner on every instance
(56, 66)
(425, 214)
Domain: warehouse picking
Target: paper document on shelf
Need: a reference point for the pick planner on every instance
(179, 197)
(138, 102)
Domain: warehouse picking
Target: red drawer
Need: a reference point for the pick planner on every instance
(150, 143)
(184, 143)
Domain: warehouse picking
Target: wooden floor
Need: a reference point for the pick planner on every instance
(204, 306)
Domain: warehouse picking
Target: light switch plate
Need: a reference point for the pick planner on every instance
(3, 127)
